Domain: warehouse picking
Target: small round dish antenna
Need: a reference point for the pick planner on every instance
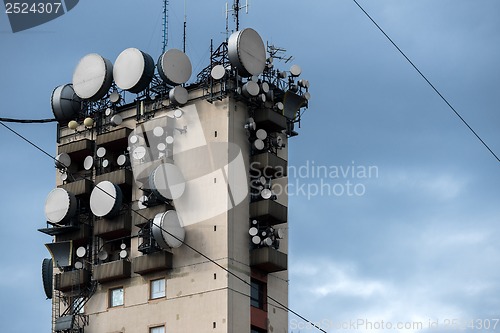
(101, 152)
(116, 120)
(259, 144)
(250, 89)
(106, 199)
(103, 255)
(65, 103)
(81, 252)
(63, 161)
(266, 194)
(253, 231)
(295, 70)
(114, 97)
(178, 95)
(88, 162)
(78, 265)
(167, 181)
(168, 231)
(123, 254)
(174, 67)
(247, 52)
(121, 160)
(158, 131)
(261, 134)
(108, 112)
(105, 163)
(218, 72)
(133, 70)
(92, 77)
(139, 153)
(60, 206)
(169, 139)
(256, 240)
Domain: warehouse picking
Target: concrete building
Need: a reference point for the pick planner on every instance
(170, 211)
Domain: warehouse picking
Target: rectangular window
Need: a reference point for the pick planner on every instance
(116, 297)
(257, 294)
(257, 330)
(157, 288)
(157, 329)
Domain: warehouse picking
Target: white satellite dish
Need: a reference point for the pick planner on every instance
(65, 103)
(108, 112)
(253, 231)
(114, 97)
(133, 139)
(133, 70)
(106, 199)
(268, 241)
(105, 163)
(60, 206)
(161, 146)
(123, 246)
(261, 134)
(139, 153)
(92, 77)
(123, 254)
(178, 95)
(295, 70)
(101, 152)
(174, 67)
(158, 131)
(259, 144)
(168, 231)
(279, 106)
(256, 240)
(81, 252)
(167, 181)
(116, 120)
(178, 113)
(169, 139)
(250, 89)
(122, 160)
(279, 233)
(103, 255)
(264, 87)
(266, 194)
(218, 72)
(63, 161)
(255, 222)
(64, 176)
(78, 265)
(247, 52)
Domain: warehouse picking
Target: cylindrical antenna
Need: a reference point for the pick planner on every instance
(185, 24)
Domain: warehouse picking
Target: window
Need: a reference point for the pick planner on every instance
(116, 297)
(157, 329)
(256, 330)
(257, 294)
(157, 289)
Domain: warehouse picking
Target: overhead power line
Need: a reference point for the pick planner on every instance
(27, 121)
(285, 307)
(428, 82)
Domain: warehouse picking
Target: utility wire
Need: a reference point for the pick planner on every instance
(429, 82)
(182, 241)
(27, 121)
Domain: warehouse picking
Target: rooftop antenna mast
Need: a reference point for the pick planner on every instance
(185, 32)
(165, 25)
(236, 13)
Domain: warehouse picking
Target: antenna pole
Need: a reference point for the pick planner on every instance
(185, 24)
(236, 9)
(165, 25)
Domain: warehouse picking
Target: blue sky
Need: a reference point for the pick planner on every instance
(420, 243)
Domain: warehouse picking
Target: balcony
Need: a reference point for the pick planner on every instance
(111, 271)
(120, 226)
(268, 165)
(72, 280)
(118, 177)
(269, 211)
(268, 259)
(153, 262)
(79, 187)
(270, 120)
(77, 150)
(79, 236)
(114, 140)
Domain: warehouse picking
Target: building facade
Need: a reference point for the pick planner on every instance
(170, 211)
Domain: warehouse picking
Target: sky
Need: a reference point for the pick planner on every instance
(404, 226)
